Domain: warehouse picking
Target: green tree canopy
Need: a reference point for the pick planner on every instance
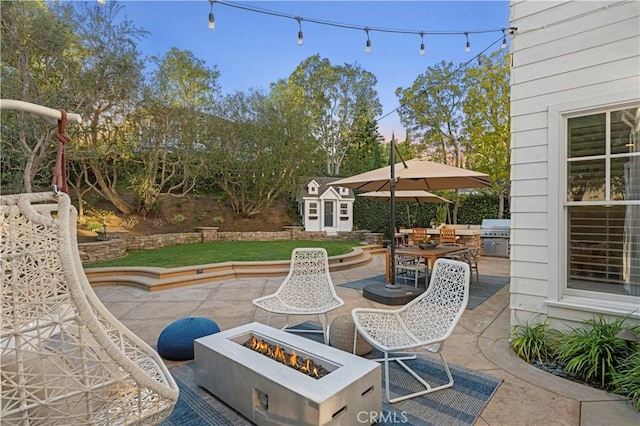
(334, 97)
(258, 145)
(486, 111)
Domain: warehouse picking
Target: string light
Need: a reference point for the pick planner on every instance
(212, 19)
(300, 36)
(359, 27)
(504, 39)
(102, 1)
(367, 47)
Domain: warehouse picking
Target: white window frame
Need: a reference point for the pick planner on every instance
(558, 294)
(313, 208)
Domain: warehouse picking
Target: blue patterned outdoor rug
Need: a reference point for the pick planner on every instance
(478, 291)
(459, 405)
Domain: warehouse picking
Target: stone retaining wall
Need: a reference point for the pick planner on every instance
(102, 250)
(118, 245)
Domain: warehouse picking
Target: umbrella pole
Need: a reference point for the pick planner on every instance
(392, 221)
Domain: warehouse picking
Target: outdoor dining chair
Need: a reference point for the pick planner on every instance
(469, 255)
(447, 235)
(425, 322)
(418, 235)
(307, 290)
(411, 268)
(65, 359)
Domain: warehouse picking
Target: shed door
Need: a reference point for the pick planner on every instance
(328, 214)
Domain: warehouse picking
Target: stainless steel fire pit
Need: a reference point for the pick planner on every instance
(268, 392)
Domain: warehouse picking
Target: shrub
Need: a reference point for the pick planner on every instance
(218, 220)
(130, 222)
(593, 353)
(200, 216)
(178, 218)
(93, 225)
(534, 342)
(626, 379)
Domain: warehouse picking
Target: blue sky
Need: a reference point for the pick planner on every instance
(252, 50)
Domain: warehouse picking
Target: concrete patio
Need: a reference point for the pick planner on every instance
(527, 395)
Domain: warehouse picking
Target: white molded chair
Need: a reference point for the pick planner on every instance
(65, 359)
(427, 321)
(307, 290)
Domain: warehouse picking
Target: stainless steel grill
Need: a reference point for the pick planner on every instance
(495, 234)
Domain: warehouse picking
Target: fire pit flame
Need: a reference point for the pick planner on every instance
(292, 360)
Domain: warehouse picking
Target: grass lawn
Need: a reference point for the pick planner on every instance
(205, 253)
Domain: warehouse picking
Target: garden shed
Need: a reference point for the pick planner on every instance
(325, 208)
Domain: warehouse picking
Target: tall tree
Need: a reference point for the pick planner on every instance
(37, 58)
(259, 146)
(432, 111)
(334, 97)
(365, 150)
(170, 124)
(486, 123)
(106, 90)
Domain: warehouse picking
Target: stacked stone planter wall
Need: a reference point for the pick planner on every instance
(120, 244)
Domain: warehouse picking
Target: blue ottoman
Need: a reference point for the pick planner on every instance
(176, 340)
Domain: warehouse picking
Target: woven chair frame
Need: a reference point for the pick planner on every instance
(65, 358)
(425, 322)
(307, 290)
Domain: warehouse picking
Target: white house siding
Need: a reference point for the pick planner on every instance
(562, 52)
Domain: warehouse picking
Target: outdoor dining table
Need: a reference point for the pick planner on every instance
(429, 254)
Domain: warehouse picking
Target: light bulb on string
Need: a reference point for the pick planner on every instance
(101, 1)
(421, 43)
(504, 40)
(467, 47)
(212, 19)
(300, 36)
(367, 47)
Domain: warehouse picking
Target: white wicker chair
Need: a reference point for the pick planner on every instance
(307, 290)
(427, 321)
(65, 359)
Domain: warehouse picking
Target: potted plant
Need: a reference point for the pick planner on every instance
(441, 214)
(426, 243)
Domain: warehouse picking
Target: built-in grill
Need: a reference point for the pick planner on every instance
(495, 234)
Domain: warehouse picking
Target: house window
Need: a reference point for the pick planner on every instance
(313, 210)
(313, 190)
(343, 190)
(344, 211)
(603, 202)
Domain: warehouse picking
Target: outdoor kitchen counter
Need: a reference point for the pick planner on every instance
(469, 237)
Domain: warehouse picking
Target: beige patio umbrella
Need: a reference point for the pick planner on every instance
(409, 196)
(416, 174)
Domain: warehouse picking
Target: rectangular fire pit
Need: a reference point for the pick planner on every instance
(268, 392)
